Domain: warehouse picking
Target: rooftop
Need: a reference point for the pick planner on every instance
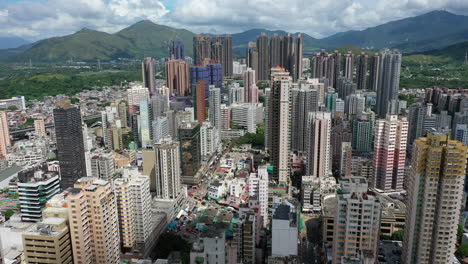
(282, 212)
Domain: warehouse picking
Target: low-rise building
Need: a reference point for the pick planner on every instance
(284, 231)
(49, 241)
(216, 190)
(35, 192)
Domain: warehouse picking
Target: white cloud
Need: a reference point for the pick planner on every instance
(35, 19)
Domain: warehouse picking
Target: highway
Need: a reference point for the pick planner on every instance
(48, 126)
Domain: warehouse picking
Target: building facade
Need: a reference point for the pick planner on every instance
(390, 137)
(434, 191)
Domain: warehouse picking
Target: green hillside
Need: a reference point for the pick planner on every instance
(141, 39)
(149, 39)
(85, 45)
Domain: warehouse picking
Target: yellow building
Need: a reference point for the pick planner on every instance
(434, 199)
(94, 226)
(49, 240)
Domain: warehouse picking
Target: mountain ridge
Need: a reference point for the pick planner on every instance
(431, 31)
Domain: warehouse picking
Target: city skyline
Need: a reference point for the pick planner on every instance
(274, 155)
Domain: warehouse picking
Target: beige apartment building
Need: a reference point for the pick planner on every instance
(357, 223)
(4, 135)
(94, 224)
(39, 127)
(278, 119)
(434, 193)
(49, 240)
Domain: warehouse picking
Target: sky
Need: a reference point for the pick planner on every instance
(38, 19)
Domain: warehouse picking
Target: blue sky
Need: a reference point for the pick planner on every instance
(36, 19)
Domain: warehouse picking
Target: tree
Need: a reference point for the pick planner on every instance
(398, 235)
(460, 231)
(12, 108)
(8, 213)
(462, 251)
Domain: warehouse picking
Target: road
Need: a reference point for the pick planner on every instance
(309, 237)
(48, 126)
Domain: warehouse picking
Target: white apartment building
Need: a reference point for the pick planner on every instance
(258, 186)
(247, 116)
(102, 165)
(134, 207)
(136, 93)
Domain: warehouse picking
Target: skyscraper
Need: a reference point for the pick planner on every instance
(390, 137)
(252, 57)
(189, 140)
(388, 81)
(177, 77)
(362, 72)
(374, 72)
(349, 66)
(318, 144)
(214, 113)
(263, 57)
(225, 117)
(227, 55)
(5, 142)
(304, 99)
(345, 87)
(70, 143)
(434, 199)
(275, 51)
(201, 49)
(148, 71)
(267, 119)
(95, 224)
(166, 181)
(298, 50)
(134, 209)
(357, 223)
(250, 86)
(337, 67)
(279, 123)
(145, 123)
(176, 50)
(416, 117)
(363, 135)
(200, 103)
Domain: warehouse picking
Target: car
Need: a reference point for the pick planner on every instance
(186, 235)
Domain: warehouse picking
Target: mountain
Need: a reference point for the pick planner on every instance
(150, 39)
(432, 30)
(12, 42)
(85, 44)
(141, 39)
(456, 52)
